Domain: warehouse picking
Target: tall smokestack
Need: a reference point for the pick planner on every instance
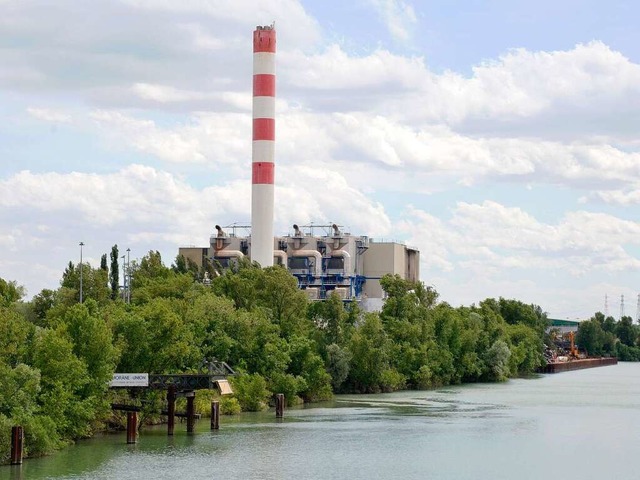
(264, 99)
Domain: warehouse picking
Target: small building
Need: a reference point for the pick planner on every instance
(330, 262)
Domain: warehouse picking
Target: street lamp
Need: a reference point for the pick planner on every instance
(81, 245)
(124, 279)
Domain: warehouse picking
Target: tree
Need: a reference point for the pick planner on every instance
(590, 337)
(114, 273)
(626, 332)
(103, 263)
(10, 292)
(42, 303)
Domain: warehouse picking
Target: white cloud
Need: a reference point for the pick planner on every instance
(489, 237)
(398, 16)
(49, 115)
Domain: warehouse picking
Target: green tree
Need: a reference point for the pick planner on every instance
(114, 273)
(590, 337)
(103, 263)
(10, 292)
(626, 331)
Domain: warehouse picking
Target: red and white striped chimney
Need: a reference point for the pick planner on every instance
(264, 99)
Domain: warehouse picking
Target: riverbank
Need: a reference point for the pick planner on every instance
(466, 432)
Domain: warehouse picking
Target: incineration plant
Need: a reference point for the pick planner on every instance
(324, 259)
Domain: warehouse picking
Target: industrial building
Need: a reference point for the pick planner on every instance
(323, 258)
(331, 262)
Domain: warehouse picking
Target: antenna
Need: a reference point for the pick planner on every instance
(606, 305)
(621, 306)
(638, 310)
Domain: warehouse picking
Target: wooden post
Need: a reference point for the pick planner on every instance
(215, 415)
(132, 427)
(191, 413)
(171, 409)
(279, 405)
(17, 445)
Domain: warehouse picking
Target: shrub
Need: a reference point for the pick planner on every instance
(251, 391)
(229, 406)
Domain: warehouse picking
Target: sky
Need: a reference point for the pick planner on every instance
(500, 137)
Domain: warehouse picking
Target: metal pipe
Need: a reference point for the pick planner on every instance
(282, 255)
(229, 253)
(346, 258)
(310, 253)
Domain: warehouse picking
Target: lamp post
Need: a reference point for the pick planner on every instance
(124, 278)
(81, 245)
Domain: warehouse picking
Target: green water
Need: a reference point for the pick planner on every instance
(578, 425)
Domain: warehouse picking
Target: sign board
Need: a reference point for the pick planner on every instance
(129, 380)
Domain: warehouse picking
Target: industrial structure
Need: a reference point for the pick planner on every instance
(330, 262)
(263, 151)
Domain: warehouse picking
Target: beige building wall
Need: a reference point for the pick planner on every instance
(196, 254)
(388, 257)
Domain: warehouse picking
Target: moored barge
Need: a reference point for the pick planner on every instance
(578, 364)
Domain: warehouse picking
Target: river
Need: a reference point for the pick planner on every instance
(583, 424)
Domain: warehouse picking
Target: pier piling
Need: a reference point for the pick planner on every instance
(191, 416)
(171, 409)
(279, 405)
(17, 445)
(215, 415)
(132, 427)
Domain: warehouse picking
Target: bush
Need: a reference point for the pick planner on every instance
(203, 400)
(251, 391)
(40, 436)
(289, 386)
(229, 406)
(5, 439)
(392, 380)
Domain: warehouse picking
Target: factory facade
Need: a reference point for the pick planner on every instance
(323, 259)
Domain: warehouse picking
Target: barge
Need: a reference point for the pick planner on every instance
(578, 364)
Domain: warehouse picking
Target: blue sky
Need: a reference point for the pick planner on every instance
(499, 137)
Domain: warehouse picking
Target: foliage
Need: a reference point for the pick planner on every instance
(56, 355)
(114, 273)
(251, 391)
(230, 406)
(10, 292)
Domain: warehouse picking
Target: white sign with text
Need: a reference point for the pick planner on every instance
(129, 380)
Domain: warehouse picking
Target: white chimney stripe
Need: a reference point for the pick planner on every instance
(264, 63)
(264, 107)
(263, 150)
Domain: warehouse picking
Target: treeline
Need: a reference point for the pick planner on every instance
(602, 335)
(56, 355)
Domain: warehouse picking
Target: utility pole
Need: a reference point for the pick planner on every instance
(621, 306)
(638, 310)
(81, 245)
(606, 305)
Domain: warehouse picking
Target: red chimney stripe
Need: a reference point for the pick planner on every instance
(264, 129)
(264, 85)
(262, 173)
(264, 41)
